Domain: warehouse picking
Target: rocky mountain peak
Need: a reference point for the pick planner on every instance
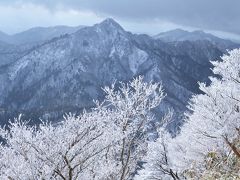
(110, 25)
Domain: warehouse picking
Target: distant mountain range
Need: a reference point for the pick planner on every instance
(37, 34)
(182, 35)
(65, 73)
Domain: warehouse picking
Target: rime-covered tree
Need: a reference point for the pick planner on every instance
(210, 138)
(208, 146)
(71, 150)
(133, 102)
(105, 143)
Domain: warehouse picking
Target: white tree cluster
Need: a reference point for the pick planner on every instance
(109, 142)
(106, 143)
(208, 146)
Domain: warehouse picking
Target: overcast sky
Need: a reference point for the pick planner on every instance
(140, 16)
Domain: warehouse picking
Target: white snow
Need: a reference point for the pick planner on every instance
(17, 67)
(117, 50)
(136, 59)
(113, 50)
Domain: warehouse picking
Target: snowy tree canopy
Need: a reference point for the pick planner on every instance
(105, 143)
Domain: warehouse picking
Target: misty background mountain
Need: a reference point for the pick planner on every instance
(46, 72)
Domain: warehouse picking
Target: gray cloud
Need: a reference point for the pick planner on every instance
(220, 15)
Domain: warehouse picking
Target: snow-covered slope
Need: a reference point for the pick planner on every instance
(13, 47)
(66, 73)
(10, 53)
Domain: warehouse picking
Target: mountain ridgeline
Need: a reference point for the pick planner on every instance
(66, 73)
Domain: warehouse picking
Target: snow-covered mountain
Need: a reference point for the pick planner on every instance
(37, 35)
(13, 47)
(41, 34)
(66, 73)
(10, 53)
(183, 35)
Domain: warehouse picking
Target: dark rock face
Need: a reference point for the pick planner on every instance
(66, 73)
